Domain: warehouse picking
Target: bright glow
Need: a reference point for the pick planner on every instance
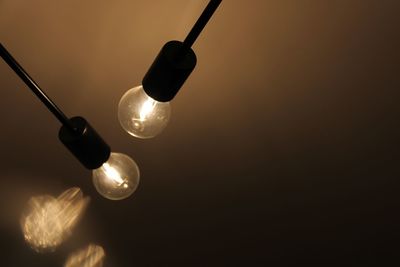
(142, 116)
(91, 256)
(113, 174)
(48, 221)
(118, 178)
(147, 108)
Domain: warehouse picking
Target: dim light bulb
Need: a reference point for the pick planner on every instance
(142, 116)
(91, 256)
(117, 178)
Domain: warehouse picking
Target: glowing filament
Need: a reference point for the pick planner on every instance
(113, 174)
(147, 108)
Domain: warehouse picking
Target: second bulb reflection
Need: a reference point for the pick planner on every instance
(91, 256)
(117, 178)
(142, 116)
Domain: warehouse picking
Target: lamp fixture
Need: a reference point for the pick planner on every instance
(144, 111)
(115, 176)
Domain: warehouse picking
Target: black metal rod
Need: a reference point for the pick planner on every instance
(201, 22)
(8, 58)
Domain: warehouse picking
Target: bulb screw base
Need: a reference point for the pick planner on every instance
(85, 143)
(169, 71)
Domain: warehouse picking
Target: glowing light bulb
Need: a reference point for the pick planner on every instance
(48, 221)
(117, 178)
(91, 256)
(142, 116)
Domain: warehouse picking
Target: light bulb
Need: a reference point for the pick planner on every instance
(48, 221)
(142, 116)
(91, 256)
(117, 178)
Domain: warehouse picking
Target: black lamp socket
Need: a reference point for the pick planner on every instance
(85, 143)
(169, 71)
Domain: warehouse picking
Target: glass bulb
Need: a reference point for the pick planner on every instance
(117, 178)
(142, 116)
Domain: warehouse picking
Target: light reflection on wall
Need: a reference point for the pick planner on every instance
(48, 221)
(91, 256)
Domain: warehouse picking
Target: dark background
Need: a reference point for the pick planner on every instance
(283, 147)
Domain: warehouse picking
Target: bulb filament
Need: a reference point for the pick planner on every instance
(113, 174)
(147, 108)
